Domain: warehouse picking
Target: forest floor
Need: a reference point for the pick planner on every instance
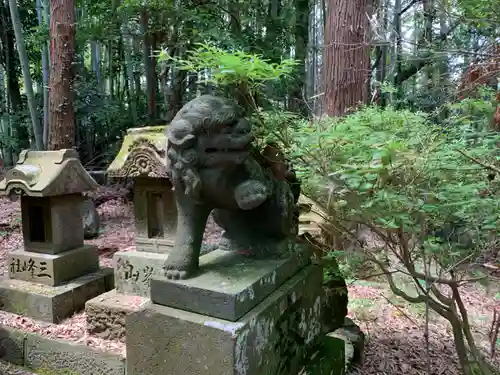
(394, 329)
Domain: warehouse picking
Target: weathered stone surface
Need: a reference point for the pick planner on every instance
(47, 173)
(91, 219)
(230, 284)
(272, 339)
(63, 358)
(59, 219)
(51, 184)
(329, 359)
(49, 303)
(142, 154)
(109, 278)
(106, 314)
(12, 345)
(133, 271)
(153, 245)
(354, 340)
(155, 214)
(51, 269)
(216, 170)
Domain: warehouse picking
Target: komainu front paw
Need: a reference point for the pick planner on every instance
(176, 274)
(181, 264)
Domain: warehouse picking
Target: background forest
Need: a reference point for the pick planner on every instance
(417, 54)
(389, 110)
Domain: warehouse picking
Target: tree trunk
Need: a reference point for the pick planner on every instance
(427, 38)
(234, 8)
(382, 54)
(25, 65)
(45, 72)
(62, 130)
(148, 66)
(5, 141)
(10, 60)
(396, 58)
(129, 69)
(177, 93)
(347, 55)
(297, 98)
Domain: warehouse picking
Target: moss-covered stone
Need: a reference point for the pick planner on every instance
(47, 173)
(12, 345)
(329, 359)
(56, 357)
(272, 339)
(147, 145)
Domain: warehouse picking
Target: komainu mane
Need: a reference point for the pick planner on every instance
(215, 168)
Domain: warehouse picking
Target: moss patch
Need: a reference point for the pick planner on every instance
(153, 134)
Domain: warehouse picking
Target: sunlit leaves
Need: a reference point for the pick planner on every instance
(231, 67)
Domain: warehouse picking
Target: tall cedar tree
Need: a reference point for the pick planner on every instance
(346, 66)
(62, 130)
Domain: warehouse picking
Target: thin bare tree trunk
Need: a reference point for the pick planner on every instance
(42, 18)
(28, 85)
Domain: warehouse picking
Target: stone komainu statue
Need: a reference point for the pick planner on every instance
(214, 167)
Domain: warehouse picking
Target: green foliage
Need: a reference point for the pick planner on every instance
(473, 114)
(396, 172)
(231, 68)
(481, 13)
(279, 127)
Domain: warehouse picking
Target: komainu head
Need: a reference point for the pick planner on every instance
(208, 132)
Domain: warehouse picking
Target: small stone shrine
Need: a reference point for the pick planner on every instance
(141, 158)
(253, 307)
(55, 273)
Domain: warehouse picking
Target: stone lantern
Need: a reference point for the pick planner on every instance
(55, 273)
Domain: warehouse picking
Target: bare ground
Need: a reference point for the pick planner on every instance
(394, 329)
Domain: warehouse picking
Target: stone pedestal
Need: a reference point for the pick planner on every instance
(54, 274)
(53, 303)
(134, 269)
(51, 269)
(240, 316)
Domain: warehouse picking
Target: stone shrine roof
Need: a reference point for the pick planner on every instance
(47, 173)
(142, 154)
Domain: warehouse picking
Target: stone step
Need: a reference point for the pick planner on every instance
(53, 303)
(106, 314)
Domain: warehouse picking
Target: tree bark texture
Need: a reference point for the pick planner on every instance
(346, 65)
(62, 130)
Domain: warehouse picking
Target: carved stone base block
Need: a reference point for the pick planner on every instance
(229, 285)
(133, 271)
(51, 269)
(276, 337)
(106, 314)
(49, 303)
